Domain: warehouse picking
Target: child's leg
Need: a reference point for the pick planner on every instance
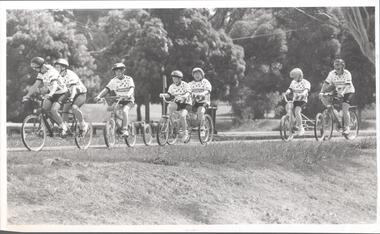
(125, 116)
(183, 114)
(297, 113)
(201, 110)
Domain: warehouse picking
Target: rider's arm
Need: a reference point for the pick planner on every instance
(73, 91)
(130, 92)
(54, 87)
(33, 88)
(103, 92)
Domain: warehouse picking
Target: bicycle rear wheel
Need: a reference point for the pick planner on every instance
(147, 134)
(163, 132)
(130, 140)
(354, 126)
(109, 133)
(208, 130)
(324, 126)
(33, 132)
(189, 130)
(286, 131)
(83, 138)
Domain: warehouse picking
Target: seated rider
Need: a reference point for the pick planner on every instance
(341, 80)
(200, 89)
(50, 78)
(76, 95)
(124, 87)
(300, 87)
(181, 92)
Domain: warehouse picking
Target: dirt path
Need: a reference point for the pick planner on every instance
(242, 183)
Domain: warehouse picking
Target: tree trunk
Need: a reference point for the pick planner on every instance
(147, 109)
(138, 111)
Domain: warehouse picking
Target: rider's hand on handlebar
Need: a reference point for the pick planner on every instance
(47, 96)
(25, 98)
(97, 99)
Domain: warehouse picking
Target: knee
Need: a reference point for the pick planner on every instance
(126, 110)
(183, 113)
(75, 108)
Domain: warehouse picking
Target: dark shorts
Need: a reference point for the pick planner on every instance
(183, 106)
(301, 104)
(348, 97)
(60, 98)
(127, 102)
(198, 104)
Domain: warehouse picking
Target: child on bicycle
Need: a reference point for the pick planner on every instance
(124, 87)
(50, 78)
(200, 90)
(181, 92)
(76, 96)
(339, 79)
(300, 88)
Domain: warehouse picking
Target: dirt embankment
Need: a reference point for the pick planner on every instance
(242, 183)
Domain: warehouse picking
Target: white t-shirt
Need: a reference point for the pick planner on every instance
(72, 79)
(122, 86)
(298, 87)
(52, 75)
(179, 90)
(341, 81)
(201, 86)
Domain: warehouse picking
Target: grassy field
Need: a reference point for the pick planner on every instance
(232, 183)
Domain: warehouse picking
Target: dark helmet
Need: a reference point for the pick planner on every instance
(37, 62)
(177, 74)
(118, 66)
(340, 62)
(62, 62)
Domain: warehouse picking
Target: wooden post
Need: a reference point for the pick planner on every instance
(164, 85)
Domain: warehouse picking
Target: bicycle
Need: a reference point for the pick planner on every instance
(112, 129)
(38, 125)
(324, 121)
(169, 127)
(288, 121)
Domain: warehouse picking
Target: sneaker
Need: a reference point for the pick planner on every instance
(124, 132)
(185, 136)
(203, 132)
(296, 128)
(346, 131)
(64, 130)
(83, 128)
(301, 132)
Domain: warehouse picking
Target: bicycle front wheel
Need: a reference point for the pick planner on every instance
(109, 133)
(130, 140)
(173, 132)
(354, 126)
(83, 138)
(163, 132)
(286, 128)
(207, 133)
(33, 132)
(147, 134)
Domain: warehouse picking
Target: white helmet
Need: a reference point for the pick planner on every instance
(198, 69)
(296, 72)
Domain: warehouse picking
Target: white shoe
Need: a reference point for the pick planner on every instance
(346, 131)
(301, 131)
(124, 132)
(85, 127)
(203, 132)
(185, 136)
(65, 129)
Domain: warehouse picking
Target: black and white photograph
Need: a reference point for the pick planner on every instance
(189, 116)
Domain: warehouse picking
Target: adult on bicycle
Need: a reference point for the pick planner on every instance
(76, 96)
(300, 88)
(181, 92)
(200, 91)
(339, 79)
(124, 87)
(49, 77)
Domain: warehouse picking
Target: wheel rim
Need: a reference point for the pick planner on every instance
(208, 130)
(162, 132)
(319, 127)
(285, 128)
(328, 125)
(131, 138)
(147, 134)
(83, 140)
(172, 133)
(354, 126)
(109, 133)
(33, 133)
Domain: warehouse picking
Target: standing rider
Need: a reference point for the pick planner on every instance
(76, 95)
(341, 80)
(181, 92)
(201, 89)
(49, 77)
(124, 87)
(300, 88)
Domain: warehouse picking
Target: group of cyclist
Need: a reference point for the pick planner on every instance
(64, 88)
(338, 84)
